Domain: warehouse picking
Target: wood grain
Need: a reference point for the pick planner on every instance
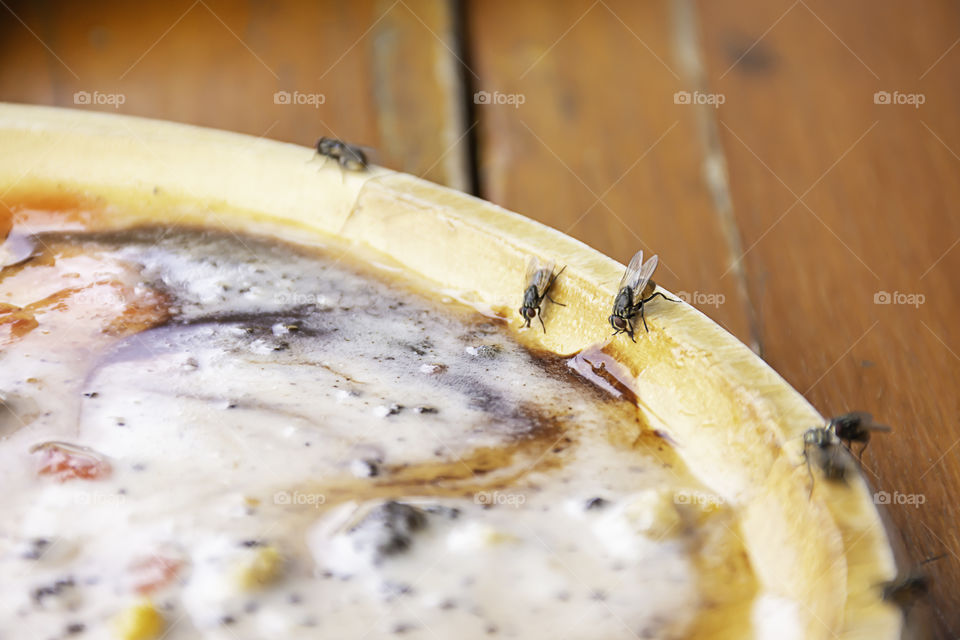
(219, 63)
(878, 194)
(598, 149)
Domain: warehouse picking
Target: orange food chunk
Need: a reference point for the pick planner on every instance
(154, 572)
(64, 461)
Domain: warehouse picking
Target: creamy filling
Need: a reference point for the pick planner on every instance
(251, 439)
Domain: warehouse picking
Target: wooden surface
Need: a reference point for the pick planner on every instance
(783, 211)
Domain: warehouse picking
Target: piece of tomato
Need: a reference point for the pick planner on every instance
(64, 461)
(154, 572)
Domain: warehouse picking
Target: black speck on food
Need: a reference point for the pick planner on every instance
(389, 528)
(75, 628)
(422, 347)
(54, 589)
(227, 620)
(36, 548)
(368, 467)
(451, 513)
(596, 503)
(294, 598)
(252, 543)
(394, 409)
(425, 409)
(402, 627)
(599, 595)
(91, 394)
(397, 588)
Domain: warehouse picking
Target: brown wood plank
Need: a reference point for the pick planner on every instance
(219, 63)
(878, 214)
(598, 149)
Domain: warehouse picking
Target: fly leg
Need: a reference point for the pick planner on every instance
(546, 292)
(660, 293)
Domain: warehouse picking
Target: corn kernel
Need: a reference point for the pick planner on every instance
(140, 621)
(261, 570)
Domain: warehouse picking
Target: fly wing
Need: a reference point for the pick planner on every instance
(538, 274)
(632, 273)
(869, 424)
(865, 419)
(643, 277)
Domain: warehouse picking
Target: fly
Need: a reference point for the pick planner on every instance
(348, 156)
(855, 427)
(906, 589)
(821, 447)
(635, 290)
(537, 281)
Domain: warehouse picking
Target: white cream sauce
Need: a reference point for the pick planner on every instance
(419, 473)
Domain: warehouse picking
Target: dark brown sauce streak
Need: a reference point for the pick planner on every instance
(544, 433)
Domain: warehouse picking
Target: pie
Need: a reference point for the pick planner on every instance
(247, 396)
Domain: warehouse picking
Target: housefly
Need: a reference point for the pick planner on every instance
(635, 290)
(906, 590)
(821, 447)
(537, 281)
(855, 427)
(348, 156)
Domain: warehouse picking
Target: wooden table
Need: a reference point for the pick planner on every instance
(745, 142)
